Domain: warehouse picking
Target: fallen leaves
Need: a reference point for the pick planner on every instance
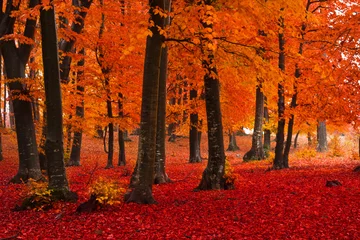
(286, 204)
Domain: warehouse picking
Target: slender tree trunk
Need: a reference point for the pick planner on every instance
(296, 139)
(160, 157)
(322, 145)
(12, 114)
(257, 151)
(5, 95)
(213, 175)
(267, 132)
(309, 139)
(194, 133)
(279, 157)
(54, 138)
(1, 120)
(74, 159)
(42, 156)
(66, 46)
(121, 134)
(110, 126)
(232, 142)
(143, 175)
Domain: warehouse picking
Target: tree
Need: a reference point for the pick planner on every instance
(194, 141)
(257, 151)
(321, 137)
(279, 157)
(54, 138)
(143, 175)
(15, 60)
(213, 175)
(160, 174)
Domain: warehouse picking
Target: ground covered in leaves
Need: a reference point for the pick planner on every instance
(287, 204)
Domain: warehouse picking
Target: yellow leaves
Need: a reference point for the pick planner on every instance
(107, 192)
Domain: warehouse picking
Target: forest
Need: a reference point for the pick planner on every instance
(186, 119)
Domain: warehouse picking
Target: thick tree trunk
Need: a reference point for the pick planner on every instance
(143, 175)
(213, 175)
(160, 158)
(54, 138)
(15, 59)
(232, 142)
(257, 151)
(322, 145)
(194, 134)
(279, 157)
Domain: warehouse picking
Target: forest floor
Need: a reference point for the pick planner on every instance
(288, 204)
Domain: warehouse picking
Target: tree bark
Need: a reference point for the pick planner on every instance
(143, 175)
(1, 120)
(66, 46)
(213, 175)
(194, 133)
(257, 151)
(15, 59)
(267, 132)
(160, 157)
(75, 153)
(232, 142)
(121, 134)
(279, 157)
(322, 145)
(296, 139)
(54, 138)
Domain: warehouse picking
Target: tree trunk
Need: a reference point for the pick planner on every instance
(194, 134)
(322, 145)
(66, 46)
(110, 126)
(279, 157)
(232, 142)
(290, 129)
(54, 138)
(296, 139)
(143, 175)
(15, 59)
(257, 151)
(267, 132)
(160, 158)
(213, 175)
(121, 134)
(42, 156)
(126, 136)
(74, 159)
(1, 120)
(309, 139)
